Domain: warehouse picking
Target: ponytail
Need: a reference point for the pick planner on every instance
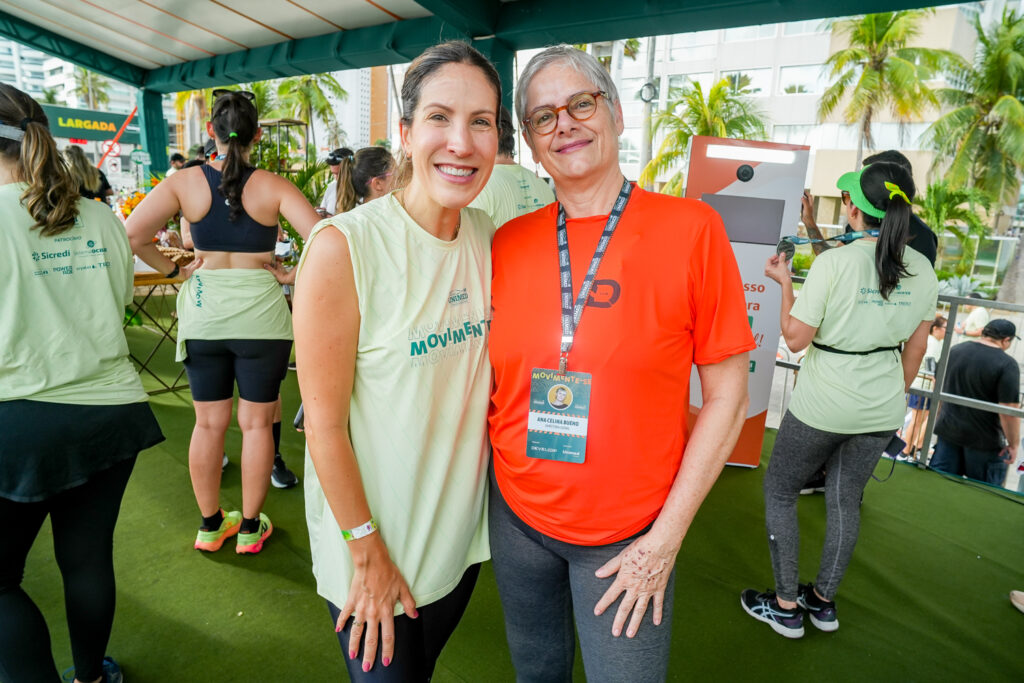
(883, 192)
(51, 198)
(346, 196)
(892, 239)
(235, 123)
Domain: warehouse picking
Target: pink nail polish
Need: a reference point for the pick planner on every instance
(415, 614)
(386, 661)
(352, 654)
(337, 628)
(366, 667)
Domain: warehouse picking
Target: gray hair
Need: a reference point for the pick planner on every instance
(584, 63)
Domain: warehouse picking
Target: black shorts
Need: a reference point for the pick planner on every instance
(258, 365)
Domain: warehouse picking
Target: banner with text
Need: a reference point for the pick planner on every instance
(756, 188)
(85, 124)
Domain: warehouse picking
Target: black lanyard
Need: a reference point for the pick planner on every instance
(571, 314)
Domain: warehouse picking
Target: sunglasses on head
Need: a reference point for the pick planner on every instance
(220, 92)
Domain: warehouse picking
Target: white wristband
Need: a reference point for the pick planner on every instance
(360, 531)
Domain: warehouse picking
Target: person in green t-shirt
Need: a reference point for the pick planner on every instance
(73, 413)
(234, 327)
(865, 310)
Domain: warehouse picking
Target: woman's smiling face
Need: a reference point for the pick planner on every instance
(574, 150)
(453, 135)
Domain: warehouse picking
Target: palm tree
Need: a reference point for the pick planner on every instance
(91, 87)
(724, 112)
(307, 96)
(266, 98)
(944, 207)
(50, 96)
(879, 70)
(982, 135)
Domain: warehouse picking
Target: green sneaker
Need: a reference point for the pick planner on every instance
(211, 541)
(253, 543)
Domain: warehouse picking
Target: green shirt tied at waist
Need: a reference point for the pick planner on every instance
(231, 303)
(63, 300)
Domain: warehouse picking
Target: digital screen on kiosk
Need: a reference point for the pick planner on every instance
(752, 220)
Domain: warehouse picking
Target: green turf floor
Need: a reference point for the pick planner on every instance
(925, 598)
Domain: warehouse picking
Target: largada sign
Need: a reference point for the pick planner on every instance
(86, 124)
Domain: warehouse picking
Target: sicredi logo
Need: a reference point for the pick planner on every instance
(44, 255)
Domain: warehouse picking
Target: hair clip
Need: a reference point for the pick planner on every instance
(895, 190)
(232, 134)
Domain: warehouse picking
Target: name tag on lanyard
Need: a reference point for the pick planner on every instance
(559, 411)
(560, 400)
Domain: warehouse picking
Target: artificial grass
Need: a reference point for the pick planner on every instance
(925, 598)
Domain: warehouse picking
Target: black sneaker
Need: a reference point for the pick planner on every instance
(821, 612)
(815, 485)
(765, 607)
(282, 477)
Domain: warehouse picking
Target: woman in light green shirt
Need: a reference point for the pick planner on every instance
(865, 309)
(73, 414)
(392, 311)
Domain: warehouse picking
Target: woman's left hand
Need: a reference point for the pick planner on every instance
(185, 272)
(643, 569)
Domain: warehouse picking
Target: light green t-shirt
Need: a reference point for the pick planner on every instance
(418, 414)
(231, 303)
(62, 302)
(850, 394)
(511, 192)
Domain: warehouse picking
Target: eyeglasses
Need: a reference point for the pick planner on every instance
(580, 107)
(220, 92)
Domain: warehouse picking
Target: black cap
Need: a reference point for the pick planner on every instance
(1000, 329)
(338, 155)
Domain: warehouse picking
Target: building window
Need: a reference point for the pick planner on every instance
(629, 146)
(797, 80)
(799, 28)
(757, 82)
(732, 35)
(688, 47)
(677, 81)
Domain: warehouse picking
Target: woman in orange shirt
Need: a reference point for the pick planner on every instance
(596, 478)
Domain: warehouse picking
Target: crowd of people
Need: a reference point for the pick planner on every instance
(470, 393)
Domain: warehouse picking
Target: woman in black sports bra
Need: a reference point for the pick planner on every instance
(234, 326)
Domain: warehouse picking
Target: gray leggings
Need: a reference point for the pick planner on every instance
(800, 451)
(544, 583)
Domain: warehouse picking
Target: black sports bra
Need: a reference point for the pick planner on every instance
(217, 232)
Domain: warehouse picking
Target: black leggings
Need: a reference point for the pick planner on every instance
(418, 642)
(257, 365)
(83, 520)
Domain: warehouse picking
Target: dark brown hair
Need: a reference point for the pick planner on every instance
(894, 227)
(52, 194)
(235, 122)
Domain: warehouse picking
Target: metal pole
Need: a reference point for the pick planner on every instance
(645, 143)
(940, 378)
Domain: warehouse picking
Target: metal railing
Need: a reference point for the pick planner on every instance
(936, 393)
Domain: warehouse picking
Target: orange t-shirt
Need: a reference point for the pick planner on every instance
(668, 294)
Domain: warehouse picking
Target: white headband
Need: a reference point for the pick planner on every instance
(11, 133)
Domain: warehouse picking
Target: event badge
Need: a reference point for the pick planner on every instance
(559, 409)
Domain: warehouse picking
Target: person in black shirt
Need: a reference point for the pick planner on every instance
(922, 239)
(974, 442)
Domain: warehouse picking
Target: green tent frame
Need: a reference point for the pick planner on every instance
(498, 29)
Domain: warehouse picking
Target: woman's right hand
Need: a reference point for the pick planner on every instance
(777, 268)
(377, 585)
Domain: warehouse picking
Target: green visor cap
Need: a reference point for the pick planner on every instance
(850, 182)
